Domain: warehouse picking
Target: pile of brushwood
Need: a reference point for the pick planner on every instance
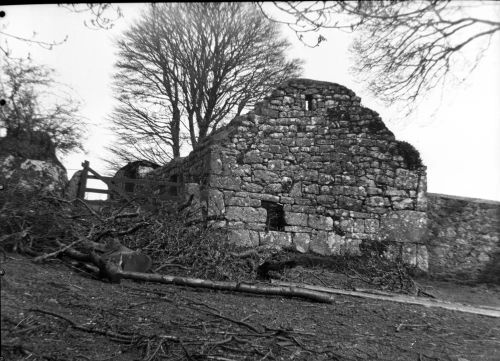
(47, 227)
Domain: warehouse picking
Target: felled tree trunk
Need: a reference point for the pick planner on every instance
(114, 273)
(286, 291)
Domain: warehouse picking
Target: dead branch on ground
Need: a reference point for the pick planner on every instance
(285, 291)
(112, 272)
(46, 256)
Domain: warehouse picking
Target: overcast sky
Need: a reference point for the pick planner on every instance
(457, 131)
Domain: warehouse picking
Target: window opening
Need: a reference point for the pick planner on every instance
(129, 187)
(129, 173)
(275, 220)
(309, 102)
(172, 190)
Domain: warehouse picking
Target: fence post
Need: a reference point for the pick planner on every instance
(83, 180)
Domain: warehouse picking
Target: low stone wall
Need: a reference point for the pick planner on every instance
(464, 237)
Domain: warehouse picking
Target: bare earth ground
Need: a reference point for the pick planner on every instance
(52, 312)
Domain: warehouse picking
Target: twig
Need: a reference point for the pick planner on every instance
(403, 325)
(170, 265)
(420, 289)
(160, 346)
(90, 209)
(132, 229)
(95, 246)
(188, 355)
(103, 234)
(185, 204)
(125, 206)
(242, 323)
(218, 313)
(268, 354)
(319, 279)
(119, 337)
(222, 342)
(247, 253)
(483, 340)
(113, 335)
(76, 200)
(59, 251)
(24, 330)
(123, 215)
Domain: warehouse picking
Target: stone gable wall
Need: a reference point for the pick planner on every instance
(327, 169)
(464, 236)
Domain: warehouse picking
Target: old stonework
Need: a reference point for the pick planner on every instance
(311, 168)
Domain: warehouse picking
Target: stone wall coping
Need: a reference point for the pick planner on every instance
(309, 82)
(467, 199)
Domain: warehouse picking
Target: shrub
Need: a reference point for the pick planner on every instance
(376, 125)
(410, 155)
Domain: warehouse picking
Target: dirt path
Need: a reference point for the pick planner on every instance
(404, 299)
(55, 313)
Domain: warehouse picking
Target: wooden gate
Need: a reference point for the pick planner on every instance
(167, 190)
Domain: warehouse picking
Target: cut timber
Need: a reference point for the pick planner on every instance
(115, 274)
(482, 310)
(286, 291)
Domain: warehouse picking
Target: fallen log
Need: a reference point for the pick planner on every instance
(114, 273)
(285, 289)
(270, 290)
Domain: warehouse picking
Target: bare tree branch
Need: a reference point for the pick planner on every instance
(403, 49)
(102, 17)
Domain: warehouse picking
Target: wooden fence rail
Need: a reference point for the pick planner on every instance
(167, 189)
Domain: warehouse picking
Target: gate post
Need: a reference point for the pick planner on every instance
(82, 185)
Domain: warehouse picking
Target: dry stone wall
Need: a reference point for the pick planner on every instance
(313, 169)
(464, 239)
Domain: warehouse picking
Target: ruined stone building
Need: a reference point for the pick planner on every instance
(134, 170)
(311, 168)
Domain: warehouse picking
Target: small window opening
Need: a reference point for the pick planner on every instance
(301, 127)
(172, 190)
(309, 102)
(129, 187)
(275, 220)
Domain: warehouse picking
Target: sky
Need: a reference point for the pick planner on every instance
(457, 130)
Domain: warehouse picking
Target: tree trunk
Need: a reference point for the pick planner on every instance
(175, 132)
(192, 133)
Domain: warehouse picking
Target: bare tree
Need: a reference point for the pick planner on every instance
(31, 101)
(403, 49)
(186, 68)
